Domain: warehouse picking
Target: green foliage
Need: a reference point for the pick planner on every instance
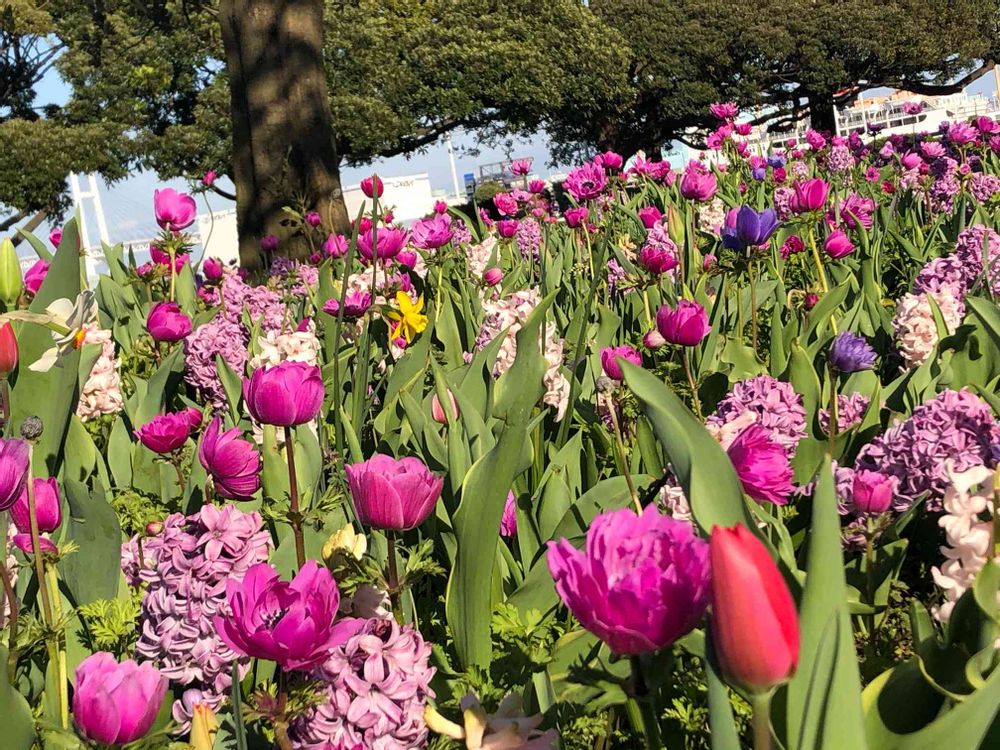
(111, 624)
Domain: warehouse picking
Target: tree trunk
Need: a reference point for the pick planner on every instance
(284, 151)
(821, 112)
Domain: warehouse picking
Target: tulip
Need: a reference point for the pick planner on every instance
(204, 727)
(508, 522)
(269, 243)
(762, 466)
(520, 167)
(440, 207)
(872, 491)
(575, 217)
(167, 323)
(610, 160)
(851, 353)
(910, 160)
(212, 268)
(291, 623)
(8, 349)
(755, 627)
(653, 340)
(657, 259)
(48, 507)
(13, 471)
(116, 703)
(24, 543)
(386, 241)
(371, 186)
(649, 216)
(586, 182)
(724, 110)
(698, 184)
(174, 211)
(505, 203)
(167, 432)
(55, 237)
(810, 195)
(838, 244)
(437, 412)
(748, 228)
(507, 228)
(536, 186)
(393, 495)
(356, 304)
(35, 275)
(209, 178)
(609, 360)
(313, 219)
(686, 325)
(286, 394)
(232, 462)
(162, 258)
(639, 584)
(11, 283)
(492, 276)
(335, 245)
(430, 234)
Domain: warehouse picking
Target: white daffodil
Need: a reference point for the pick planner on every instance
(507, 729)
(66, 320)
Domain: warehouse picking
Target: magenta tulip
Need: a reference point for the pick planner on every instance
(755, 627)
(336, 245)
(391, 494)
(212, 268)
(55, 236)
(286, 394)
(48, 507)
(762, 466)
(507, 228)
(640, 583)
(492, 276)
(698, 184)
(13, 470)
(575, 217)
(167, 432)
(232, 462)
(809, 195)
(686, 325)
(35, 275)
(610, 364)
(386, 241)
(372, 186)
(430, 234)
(838, 244)
(167, 323)
(269, 243)
(174, 211)
(116, 703)
(872, 492)
(291, 623)
(650, 216)
(658, 259)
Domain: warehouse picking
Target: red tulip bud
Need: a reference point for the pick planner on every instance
(8, 349)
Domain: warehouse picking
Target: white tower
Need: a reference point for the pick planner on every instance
(93, 251)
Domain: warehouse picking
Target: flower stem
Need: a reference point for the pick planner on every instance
(620, 451)
(53, 581)
(695, 401)
(753, 308)
(870, 581)
(36, 548)
(822, 274)
(11, 595)
(173, 272)
(280, 719)
(4, 406)
(397, 610)
(647, 711)
(294, 516)
(834, 418)
(762, 721)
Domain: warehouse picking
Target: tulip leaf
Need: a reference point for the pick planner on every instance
(18, 724)
(722, 725)
(159, 388)
(702, 467)
(93, 571)
(232, 384)
(823, 708)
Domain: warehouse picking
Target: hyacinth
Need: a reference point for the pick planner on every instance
(782, 202)
(712, 216)
(505, 317)
(840, 159)
(616, 275)
(775, 406)
(102, 393)
(955, 427)
(968, 537)
(976, 244)
(297, 346)
(376, 686)
(217, 337)
(984, 186)
(916, 328)
(297, 278)
(259, 302)
(529, 238)
(850, 411)
(478, 256)
(185, 568)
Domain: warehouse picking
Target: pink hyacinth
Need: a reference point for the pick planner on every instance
(640, 583)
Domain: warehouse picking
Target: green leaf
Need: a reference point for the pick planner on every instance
(823, 709)
(18, 726)
(702, 467)
(964, 726)
(93, 571)
(168, 374)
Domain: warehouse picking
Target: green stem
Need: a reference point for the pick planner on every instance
(62, 670)
(870, 581)
(642, 700)
(834, 417)
(695, 401)
(36, 548)
(753, 308)
(620, 451)
(8, 588)
(397, 610)
(822, 273)
(762, 721)
(294, 515)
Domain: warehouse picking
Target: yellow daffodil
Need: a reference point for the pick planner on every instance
(409, 320)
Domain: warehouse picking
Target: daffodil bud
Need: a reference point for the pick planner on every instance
(204, 727)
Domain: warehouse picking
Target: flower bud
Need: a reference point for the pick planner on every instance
(437, 413)
(346, 542)
(11, 283)
(872, 491)
(8, 349)
(204, 727)
(31, 428)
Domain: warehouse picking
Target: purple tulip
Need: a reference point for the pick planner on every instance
(838, 244)
(850, 352)
(640, 583)
(286, 394)
(167, 323)
(174, 211)
(291, 623)
(166, 433)
(609, 360)
(750, 228)
(387, 241)
(356, 304)
(13, 470)
(430, 234)
(48, 507)
(649, 216)
(762, 466)
(233, 463)
(872, 492)
(393, 495)
(698, 184)
(212, 268)
(687, 324)
(116, 703)
(35, 275)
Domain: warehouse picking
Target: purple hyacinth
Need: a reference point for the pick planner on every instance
(376, 687)
(218, 336)
(962, 271)
(850, 352)
(778, 408)
(984, 186)
(956, 428)
(529, 238)
(259, 302)
(185, 569)
(850, 411)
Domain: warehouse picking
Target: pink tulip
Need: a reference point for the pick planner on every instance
(492, 276)
(508, 227)
(698, 184)
(391, 494)
(386, 241)
(610, 364)
(430, 234)
(755, 627)
(286, 394)
(269, 243)
(686, 325)
(13, 470)
(838, 244)
(116, 703)
(167, 323)
(232, 462)
(872, 491)
(174, 211)
(437, 412)
(575, 217)
(55, 236)
(810, 195)
(649, 216)
(212, 268)
(48, 507)
(166, 433)
(371, 186)
(335, 246)
(762, 466)
(35, 275)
